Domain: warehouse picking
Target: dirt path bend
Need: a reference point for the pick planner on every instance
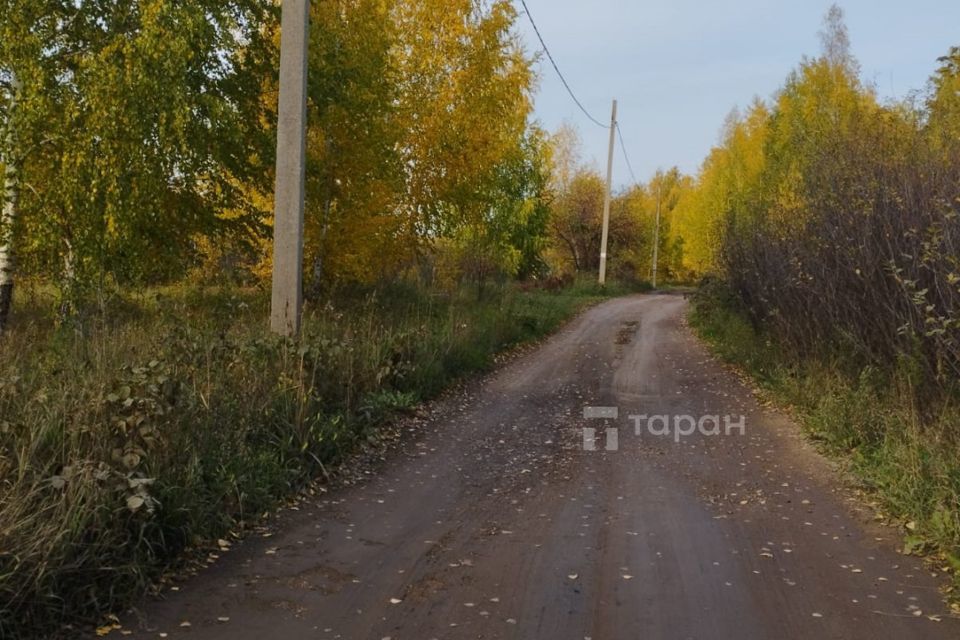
(496, 522)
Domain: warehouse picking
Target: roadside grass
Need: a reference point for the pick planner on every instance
(904, 450)
(166, 419)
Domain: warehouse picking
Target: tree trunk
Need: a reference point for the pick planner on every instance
(316, 283)
(574, 254)
(69, 294)
(11, 192)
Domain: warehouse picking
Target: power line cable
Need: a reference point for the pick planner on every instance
(623, 148)
(573, 96)
(557, 68)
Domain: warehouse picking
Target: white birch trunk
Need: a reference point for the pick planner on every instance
(11, 192)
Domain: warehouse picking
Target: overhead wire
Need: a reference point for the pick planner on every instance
(623, 148)
(573, 96)
(557, 68)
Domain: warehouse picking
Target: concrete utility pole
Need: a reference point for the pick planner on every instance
(656, 235)
(287, 298)
(606, 199)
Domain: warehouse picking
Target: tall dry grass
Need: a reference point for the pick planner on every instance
(166, 419)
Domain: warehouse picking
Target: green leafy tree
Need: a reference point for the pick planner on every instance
(510, 239)
(135, 123)
(355, 230)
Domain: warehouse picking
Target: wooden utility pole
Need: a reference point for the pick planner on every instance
(656, 235)
(287, 299)
(606, 199)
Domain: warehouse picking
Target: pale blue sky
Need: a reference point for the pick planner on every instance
(677, 67)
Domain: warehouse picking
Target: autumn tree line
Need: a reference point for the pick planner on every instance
(833, 215)
(137, 148)
(138, 137)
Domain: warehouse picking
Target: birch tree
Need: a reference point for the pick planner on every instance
(137, 122)
(11, 187)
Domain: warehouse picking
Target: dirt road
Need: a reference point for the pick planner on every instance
(492, 521)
